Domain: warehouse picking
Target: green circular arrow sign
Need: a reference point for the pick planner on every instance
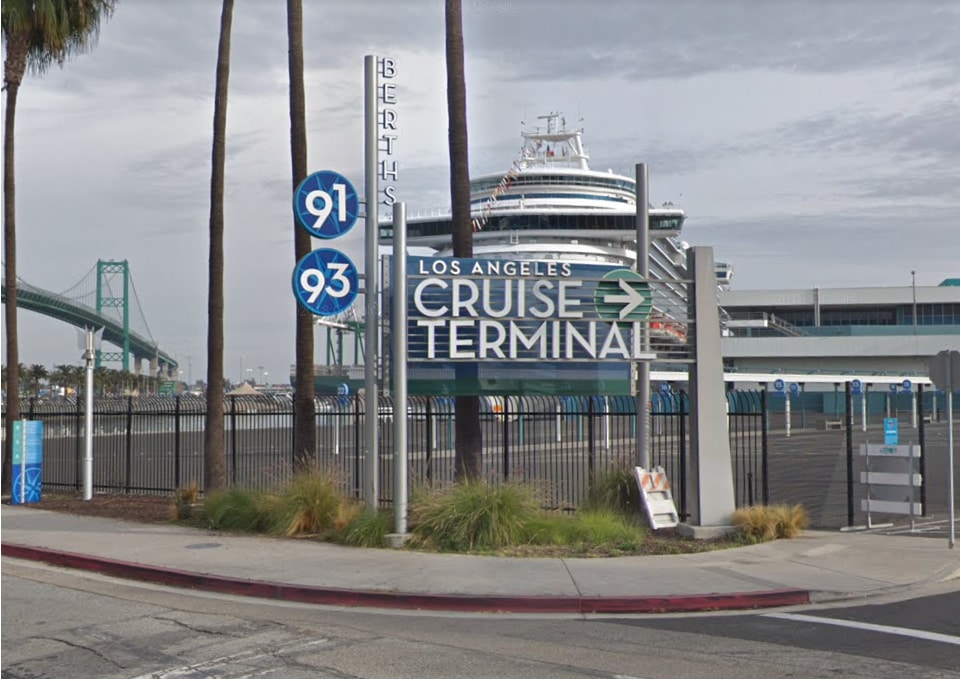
(623, 295)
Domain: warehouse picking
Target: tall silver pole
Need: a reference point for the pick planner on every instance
(88, 355)
(399, 337)
(642, 266)
(371, 450)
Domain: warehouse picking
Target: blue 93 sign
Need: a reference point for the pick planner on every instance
(326, 204)
(325, 282)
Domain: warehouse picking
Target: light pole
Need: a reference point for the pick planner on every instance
(914, 305)
(261, 369)
(241, 378)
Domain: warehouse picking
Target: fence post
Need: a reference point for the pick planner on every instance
(429, 444)
(764, 461)
(128, 454)
(233, 439)
(177, 444)
(590, 443)
(357, 445)
(177, 472)
(682, 436)
(849, 436)
(924, 480)
(506, 435)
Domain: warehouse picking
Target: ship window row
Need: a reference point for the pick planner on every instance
(522, 180)
(500, 223)
(557, 195)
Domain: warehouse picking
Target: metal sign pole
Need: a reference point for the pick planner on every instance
(643, 405)
(88, 420)
(372, 236)
(399, 336)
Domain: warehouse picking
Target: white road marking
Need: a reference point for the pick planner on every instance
(900, 631)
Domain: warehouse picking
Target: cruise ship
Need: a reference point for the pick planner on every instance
(550, 205)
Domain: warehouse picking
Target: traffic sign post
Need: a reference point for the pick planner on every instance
(325, 281)
(326, 204)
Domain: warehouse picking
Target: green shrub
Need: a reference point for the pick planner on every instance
(763, 523)
(311, 504)
(472, 515)
(369, 529)
(604, 528)
(587, 530)
(238, 509)
(615, 490)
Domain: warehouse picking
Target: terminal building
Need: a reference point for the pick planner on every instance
(886, 330)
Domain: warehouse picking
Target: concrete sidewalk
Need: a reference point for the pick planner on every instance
(819, 566)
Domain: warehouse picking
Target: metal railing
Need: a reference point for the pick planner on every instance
(154, 445)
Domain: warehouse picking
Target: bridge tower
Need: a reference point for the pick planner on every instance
(104, 269)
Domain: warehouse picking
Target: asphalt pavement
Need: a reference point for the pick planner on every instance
(819, 566)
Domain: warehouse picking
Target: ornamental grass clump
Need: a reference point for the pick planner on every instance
(472, 516)
(312, 504)
(368, 529)
(763, 523)
(239, 509)
(615, 490)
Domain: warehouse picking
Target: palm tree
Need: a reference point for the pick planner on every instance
(305, 427)
(36, 34)
(37, 374)
(467, 431)
(215, 458)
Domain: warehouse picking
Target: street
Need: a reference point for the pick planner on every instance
(61, 623)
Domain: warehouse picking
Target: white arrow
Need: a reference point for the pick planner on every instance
(631, 300)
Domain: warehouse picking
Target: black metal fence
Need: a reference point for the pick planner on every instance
(155, 444)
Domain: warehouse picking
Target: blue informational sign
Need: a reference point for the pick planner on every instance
(326, 204)
(665, 387)
(856, 386)
(325, 281)
(890, 431)
(795, 389)
(779, 385)
(893, 387)
(27, 462)
(343, 394)
(906, 385)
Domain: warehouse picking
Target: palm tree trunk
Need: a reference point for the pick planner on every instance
(467, 432)
(15, 66)
(215, 460)
(305, 428)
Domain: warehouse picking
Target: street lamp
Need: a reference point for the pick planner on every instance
(261, 374)
(914, 305)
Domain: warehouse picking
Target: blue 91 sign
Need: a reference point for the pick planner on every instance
(325, 282)
(326, 204)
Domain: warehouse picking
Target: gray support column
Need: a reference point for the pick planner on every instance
(711, 478)
(643, 267)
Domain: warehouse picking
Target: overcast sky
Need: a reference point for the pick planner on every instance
(811, 142)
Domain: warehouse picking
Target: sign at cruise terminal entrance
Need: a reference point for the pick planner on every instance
(462, 309)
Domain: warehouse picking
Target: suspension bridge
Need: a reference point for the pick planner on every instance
(104, 298)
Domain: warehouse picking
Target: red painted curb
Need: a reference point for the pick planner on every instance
(409, 601)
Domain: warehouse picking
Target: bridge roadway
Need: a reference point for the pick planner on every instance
(51, 304)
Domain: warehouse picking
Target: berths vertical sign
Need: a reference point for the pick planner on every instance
(387, 124)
